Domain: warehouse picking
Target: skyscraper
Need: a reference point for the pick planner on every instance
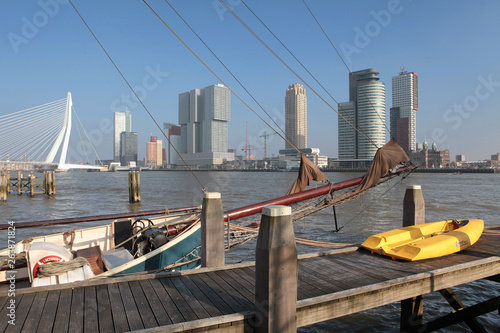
(366, 112)
(405, 106)
(204, 115)
(122, 123)
(173, 133)
(296, 116)
(128, 148)
(154, 152)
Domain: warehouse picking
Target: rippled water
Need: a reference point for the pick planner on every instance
(447, 196)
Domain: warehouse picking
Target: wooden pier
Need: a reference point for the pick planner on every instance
(330, 285)
(29, 184)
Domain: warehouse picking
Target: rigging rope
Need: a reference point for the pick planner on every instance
(290, 69)
(217, 76)
(137, 96)
(342, 59)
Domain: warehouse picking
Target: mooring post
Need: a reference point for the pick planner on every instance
(276, 270)
(7, 175)
(413, 206)
(412, 309)
(134, 194)
(3, 186)
(19, 182)
(212, 230)
(32, 183)
(138, 186)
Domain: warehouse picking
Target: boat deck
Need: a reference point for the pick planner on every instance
(330, 285)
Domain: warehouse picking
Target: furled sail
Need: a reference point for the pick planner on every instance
(308, 171)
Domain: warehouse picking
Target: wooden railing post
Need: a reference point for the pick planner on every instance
(212, 230)
(276, 270)
(412, 309)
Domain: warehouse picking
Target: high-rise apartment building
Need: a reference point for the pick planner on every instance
(405, 106)
(154, 152)
(173, 133)
(122, 123)
(128, 148)
(361, 123)
(296, 116)
(204, 115)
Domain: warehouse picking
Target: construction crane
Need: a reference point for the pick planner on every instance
(248, 151)
(265, 135)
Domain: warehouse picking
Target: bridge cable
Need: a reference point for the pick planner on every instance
(88, 138)
(138, 98)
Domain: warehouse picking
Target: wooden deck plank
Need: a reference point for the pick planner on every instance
(155, 303)
(4, 311)
(23, 307)
(233, 280)
(221, 292)
(35, 313)
(104, 314)
(49, 311)
(334, 273)
(212, 295)
(90, 318)
(131, 311)
(77, 310)
(190, 299)
(61, 321)
(179, 301)
(119, 316)
(147, 316)
(243, 282)
(198, 293)
(168, 304)
(245, 303)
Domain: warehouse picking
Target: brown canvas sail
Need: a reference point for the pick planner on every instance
(307, 172)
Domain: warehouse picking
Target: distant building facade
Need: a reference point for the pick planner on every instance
(296, 116)
(404, 106)
(204, 115)
(122, 123)
(173, 133)
(460, 158)
(365, 111)
(128, 148)
(430, 158)
(154, 153)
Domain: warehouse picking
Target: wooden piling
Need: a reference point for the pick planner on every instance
(3, 186)
(49, 183)
(212, 230)
(19, 182)
(276, 272)
(31, 183)
(7, 175)
(134, 187)
(413, 206)
(412, 309)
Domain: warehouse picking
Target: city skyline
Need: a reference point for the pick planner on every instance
(459, 91)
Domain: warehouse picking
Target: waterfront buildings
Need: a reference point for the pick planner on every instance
(361, 124)
(173, 133)
(296, 116)
(122, 123)
(204, 115)
(404, 109)
(154, 153)
(430, 158)
(128, 148)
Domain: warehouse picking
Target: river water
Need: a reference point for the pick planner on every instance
(447, 196)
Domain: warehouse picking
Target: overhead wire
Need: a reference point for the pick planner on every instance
(215, 74)
(289, 68)
(342, 59)
(136, 95)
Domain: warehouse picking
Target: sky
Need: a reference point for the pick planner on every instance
(46, 51)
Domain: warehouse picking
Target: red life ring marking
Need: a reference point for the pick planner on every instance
(45, 260)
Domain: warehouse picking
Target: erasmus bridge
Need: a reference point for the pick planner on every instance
(38, 136)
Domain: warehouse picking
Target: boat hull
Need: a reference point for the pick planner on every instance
(424, 241)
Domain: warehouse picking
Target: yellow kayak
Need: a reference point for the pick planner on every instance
(428, 240)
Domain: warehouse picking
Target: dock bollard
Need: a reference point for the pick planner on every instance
(413, 206)
(276, 270)
(412, 309)
(212, 230)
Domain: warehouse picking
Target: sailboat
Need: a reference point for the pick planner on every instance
(169, 242)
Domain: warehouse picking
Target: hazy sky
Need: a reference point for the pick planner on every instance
(46, 51)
